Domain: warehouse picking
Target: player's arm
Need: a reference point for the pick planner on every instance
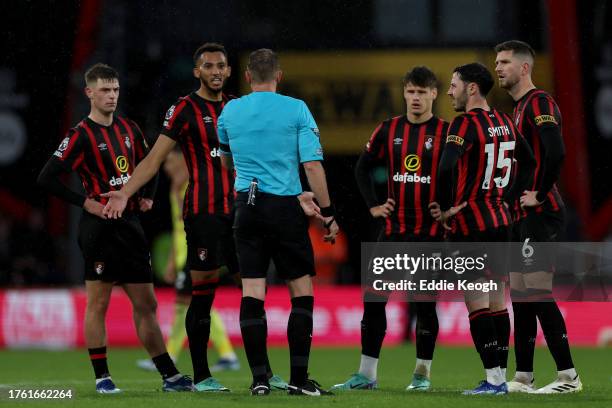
(549, 132)
(526, 163)
(66, 159)
(144, 171)
(458, 141)
(368, 159)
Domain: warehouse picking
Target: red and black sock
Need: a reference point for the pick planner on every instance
(501, 320)
(299, 335)
(98, 361)
(483, 333)
(197, 323)
(165, 365)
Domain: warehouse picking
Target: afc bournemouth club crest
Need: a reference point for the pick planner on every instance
(99, 267)
(202, 254)
(429, 143)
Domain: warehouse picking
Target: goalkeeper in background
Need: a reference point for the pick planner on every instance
(176, 169)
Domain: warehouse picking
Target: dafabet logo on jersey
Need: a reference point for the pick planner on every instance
(412, 164)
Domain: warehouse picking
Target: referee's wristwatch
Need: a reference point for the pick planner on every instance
(327, 212)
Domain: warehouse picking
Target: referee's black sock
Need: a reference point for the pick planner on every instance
(253, 329)
(269, 373)
(299, 334)
(555, 333)
(426, 329)
(373, 328)
(484, 336)
(501, 320)
(525, 332)
(98, 361)
(197, 323)
(165, 365)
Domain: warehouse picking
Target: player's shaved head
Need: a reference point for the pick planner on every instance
(519, 48)
(100, 71)
(263, 65)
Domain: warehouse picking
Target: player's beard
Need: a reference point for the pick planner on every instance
(510, 83)
(461, 102)
(213, 91)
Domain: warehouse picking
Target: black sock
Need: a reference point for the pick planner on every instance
(253, 329)
(555, 333)
(501, 320)
(98, 361)
(269, 373)
(373, 328)
(299, 335)
(426, 329)
(484, 336)
(525, 332)
(165, 365)
(197, 323)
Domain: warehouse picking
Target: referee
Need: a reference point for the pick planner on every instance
(266, 136)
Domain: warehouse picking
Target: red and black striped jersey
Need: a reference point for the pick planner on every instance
(104, 157)
(192, 122)
(532, 113)
(411, 153)
(485, 142)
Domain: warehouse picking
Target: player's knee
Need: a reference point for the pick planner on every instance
(97, 306)
(146, 307)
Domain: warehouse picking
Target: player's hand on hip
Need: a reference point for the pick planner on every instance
(309, 207)
(528, 199)
(145, 204)
(443, 216)
(383, 210)
(117, 201)
(94, 207)
(332, 228)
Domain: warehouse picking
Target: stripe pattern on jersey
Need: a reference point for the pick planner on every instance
(192, 122)
(411, 152)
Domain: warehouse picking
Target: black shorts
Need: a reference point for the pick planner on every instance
(534, 228)
(182, 284)
(115, 250)
(210, 243)
(274, 228)
(497, 256)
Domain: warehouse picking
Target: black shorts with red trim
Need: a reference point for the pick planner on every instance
(275, 228)
(210, 243)
(114, 250)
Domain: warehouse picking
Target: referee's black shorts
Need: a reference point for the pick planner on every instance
(210, 243)
(114, 250)
(274, 228)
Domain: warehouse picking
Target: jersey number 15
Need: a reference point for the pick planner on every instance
(504, 164)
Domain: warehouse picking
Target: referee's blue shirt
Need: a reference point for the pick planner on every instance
(269, 135)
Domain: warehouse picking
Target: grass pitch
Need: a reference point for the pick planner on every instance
(454, 369)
